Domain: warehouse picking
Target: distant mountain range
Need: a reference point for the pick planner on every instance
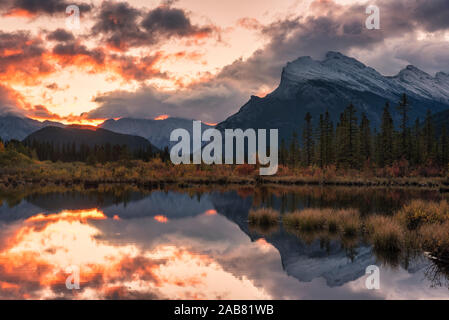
(332, 84)
(306, 85)
(82, 135)
(156, 131)
(18, 128)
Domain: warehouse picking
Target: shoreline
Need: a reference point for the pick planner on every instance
(430, 183)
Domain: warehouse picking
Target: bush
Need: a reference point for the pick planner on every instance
(306, 220)
(348, 222)
(435, 239)
(263, 217)
(385, 234)
(420, 212)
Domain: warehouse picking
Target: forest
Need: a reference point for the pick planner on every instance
(351, 143)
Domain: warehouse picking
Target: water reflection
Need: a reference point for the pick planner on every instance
(194, 245)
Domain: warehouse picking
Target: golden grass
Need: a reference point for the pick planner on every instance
(419, 212)
(347, 222)
(385, 233)
(263, 217)
(308, 220)
(435, 239)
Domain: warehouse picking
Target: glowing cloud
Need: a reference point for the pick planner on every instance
(162, 117)
(161, 219)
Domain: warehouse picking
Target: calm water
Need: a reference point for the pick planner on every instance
(194, 245)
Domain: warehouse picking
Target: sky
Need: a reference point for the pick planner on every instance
(198, 59)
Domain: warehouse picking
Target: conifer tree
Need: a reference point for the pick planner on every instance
(308, 141)
(404, 109)
(428, 137)
(387, 135)
(365, 139)
(294, 151)
(329, 146)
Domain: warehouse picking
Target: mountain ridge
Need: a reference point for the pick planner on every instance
(315, 86)
(89, 137)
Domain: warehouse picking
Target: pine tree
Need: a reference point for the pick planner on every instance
(404, 109)
(443, 147)
(283, 153)
(387, 135)
(308, 141)
(347, 139)
(365, 139)
(322, 136)
(429, 137)
(329, 147)
(294, 151)
(416, 143)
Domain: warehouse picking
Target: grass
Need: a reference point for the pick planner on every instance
(264, 217)
(435, 239)
(419, 212)
(418, 226)
(347, 222)
(308, 220)
(385, 233)
(18, 168)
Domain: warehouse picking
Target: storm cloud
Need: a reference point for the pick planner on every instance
(36, 7)
(122, 26)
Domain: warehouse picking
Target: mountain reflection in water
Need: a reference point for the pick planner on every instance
(193, 245)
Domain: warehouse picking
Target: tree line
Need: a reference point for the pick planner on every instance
(71, 152)
(351, 143)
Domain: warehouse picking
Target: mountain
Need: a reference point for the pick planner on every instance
(156, 131)
(313, 86)
(302, 261)
(14, 127)
(87, 135)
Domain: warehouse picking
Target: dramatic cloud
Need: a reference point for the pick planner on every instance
(131, 45)
(432, 15)
(32, 8)
(123, 26)
(166, 21)
(60, 35)
(341, 28)
(205, 101)
(9, 101)
(21, 58)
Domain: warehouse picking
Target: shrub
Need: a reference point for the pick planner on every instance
(306, 220)
(385, 234)
(435, 239)
(263, 217)
(419, 212)
(349, 222)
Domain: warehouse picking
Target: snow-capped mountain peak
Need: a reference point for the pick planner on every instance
(422, 84)
(336, 68)
(315, 86)
(352, 74)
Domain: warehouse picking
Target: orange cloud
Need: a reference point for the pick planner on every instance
(18, 12)
(162, 117)
(161, 219)
(70, 215)
(38, 252)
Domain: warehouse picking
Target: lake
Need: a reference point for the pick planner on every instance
(196, 244)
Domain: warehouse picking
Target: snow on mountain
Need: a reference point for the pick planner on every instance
(156, 131)
(15, 127)
(309, 85)
(353, 74)
(422, 84)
